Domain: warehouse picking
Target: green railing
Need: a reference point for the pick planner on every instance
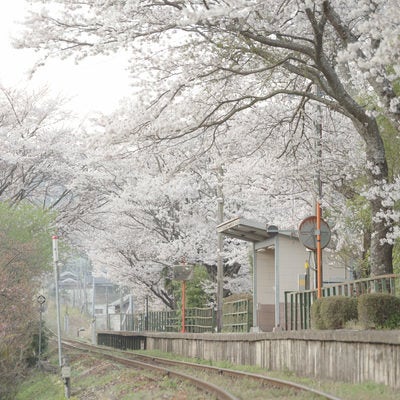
(237, 317)
(158, 321)
(298, 304)
(196, 320)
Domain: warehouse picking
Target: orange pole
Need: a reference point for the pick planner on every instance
(183, 305)
(319, 252)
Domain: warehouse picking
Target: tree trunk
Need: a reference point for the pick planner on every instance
(381, 251)
(377, 169)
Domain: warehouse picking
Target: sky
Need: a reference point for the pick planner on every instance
(96, 84)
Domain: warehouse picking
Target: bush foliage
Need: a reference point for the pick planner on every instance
(316, 319)
(333, 312)
(379, 310)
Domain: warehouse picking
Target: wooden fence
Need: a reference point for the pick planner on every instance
(298, 304)
(237, 316)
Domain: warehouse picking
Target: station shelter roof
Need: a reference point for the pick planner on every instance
(247, 230)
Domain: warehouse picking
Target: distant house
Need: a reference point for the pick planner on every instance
(279, 266)
(105, 290)
(68, 280)
(77, 291)
(70, 288)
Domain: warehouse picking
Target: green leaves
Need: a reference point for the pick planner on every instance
(25, 225)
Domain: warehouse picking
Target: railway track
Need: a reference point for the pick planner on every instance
(186, 371)
(202, 385)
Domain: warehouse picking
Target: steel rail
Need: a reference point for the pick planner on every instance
(268, 381)
(220, 393)
(280, 383)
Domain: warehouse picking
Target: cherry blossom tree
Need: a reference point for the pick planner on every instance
(33, 139)
(160, 216)
(162, 208)
(210, 68)
(38, 162)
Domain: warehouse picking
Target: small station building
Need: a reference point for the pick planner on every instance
(280, 265)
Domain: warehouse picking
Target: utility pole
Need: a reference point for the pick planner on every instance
(146, 316)
(183, 286)
(220, 265)
(62, 362)
(94, 341)
(55, 263)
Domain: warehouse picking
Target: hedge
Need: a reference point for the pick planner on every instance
(333, 312)
(379, 310)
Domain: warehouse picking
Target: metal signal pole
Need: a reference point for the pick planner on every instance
(41, 300)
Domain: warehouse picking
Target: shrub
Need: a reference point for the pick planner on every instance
(379, 310)
(333, 312)
(316, 319)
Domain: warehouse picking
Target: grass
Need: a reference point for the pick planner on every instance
(40, 385)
